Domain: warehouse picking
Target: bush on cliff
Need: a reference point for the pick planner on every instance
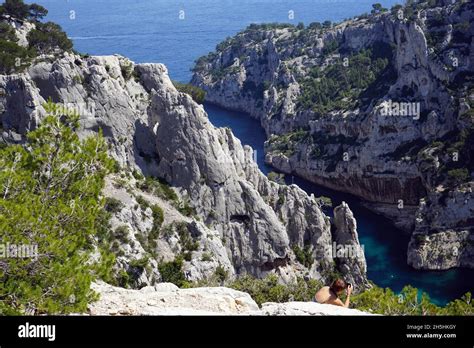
(45, 38)
(269, 289)
(410, 301)
(172, 272)
(13, 57)
(19, 10)
(196, 93)
(342, 84)
(7, 32)
(48, 37)
(49, 206)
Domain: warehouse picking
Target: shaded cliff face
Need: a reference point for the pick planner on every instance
(240, 221)
(380, 107)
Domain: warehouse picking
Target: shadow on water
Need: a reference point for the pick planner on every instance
(385, 246)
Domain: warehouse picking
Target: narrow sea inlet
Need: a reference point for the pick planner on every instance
(384, 245)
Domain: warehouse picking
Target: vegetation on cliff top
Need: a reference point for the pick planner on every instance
(21, 11)
(347, 82)
(196, 93)
(44, 38)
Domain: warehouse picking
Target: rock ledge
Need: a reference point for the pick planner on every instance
(167, 299)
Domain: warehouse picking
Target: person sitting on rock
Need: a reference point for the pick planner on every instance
(330, 294)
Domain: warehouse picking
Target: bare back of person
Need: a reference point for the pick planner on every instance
(326, 295)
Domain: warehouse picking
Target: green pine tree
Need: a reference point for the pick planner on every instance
(50, 197)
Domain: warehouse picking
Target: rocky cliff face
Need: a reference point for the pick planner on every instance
(220, 211)
(346, 247)
(440, 239)
(380, 107)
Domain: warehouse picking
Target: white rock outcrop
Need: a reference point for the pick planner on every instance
(167, 299)
(307, 308)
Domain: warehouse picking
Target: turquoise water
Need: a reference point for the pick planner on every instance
(152, 31)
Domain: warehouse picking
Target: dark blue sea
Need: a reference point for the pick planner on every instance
(176, 33)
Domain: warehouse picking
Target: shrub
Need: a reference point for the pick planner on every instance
(330, 47)
(459, 175)
(36, 12)
(139, 263)
(18, 9)
(150, 242)
(78, 79)
(462, 306)
(286, 143)
(126, 68)
(166, 192)
(172, 272)
(143, 202)
(121, 233)
(315, 25)
(137, 175)
(123, 279)
(186, 240)
(324, 201)
(304, 256)
(221, 273)
(378, 8)
(158, 218)
(187, 256)
(196, 93)
(13, 57)
(185, 208)
(48, 37)
(327, 24)
(157, 187)
(269, 290)
(410, 301)
(281, 197)
(15, 8)
(7, 32)
(113, 205)
(279, 178)
(395, 9)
